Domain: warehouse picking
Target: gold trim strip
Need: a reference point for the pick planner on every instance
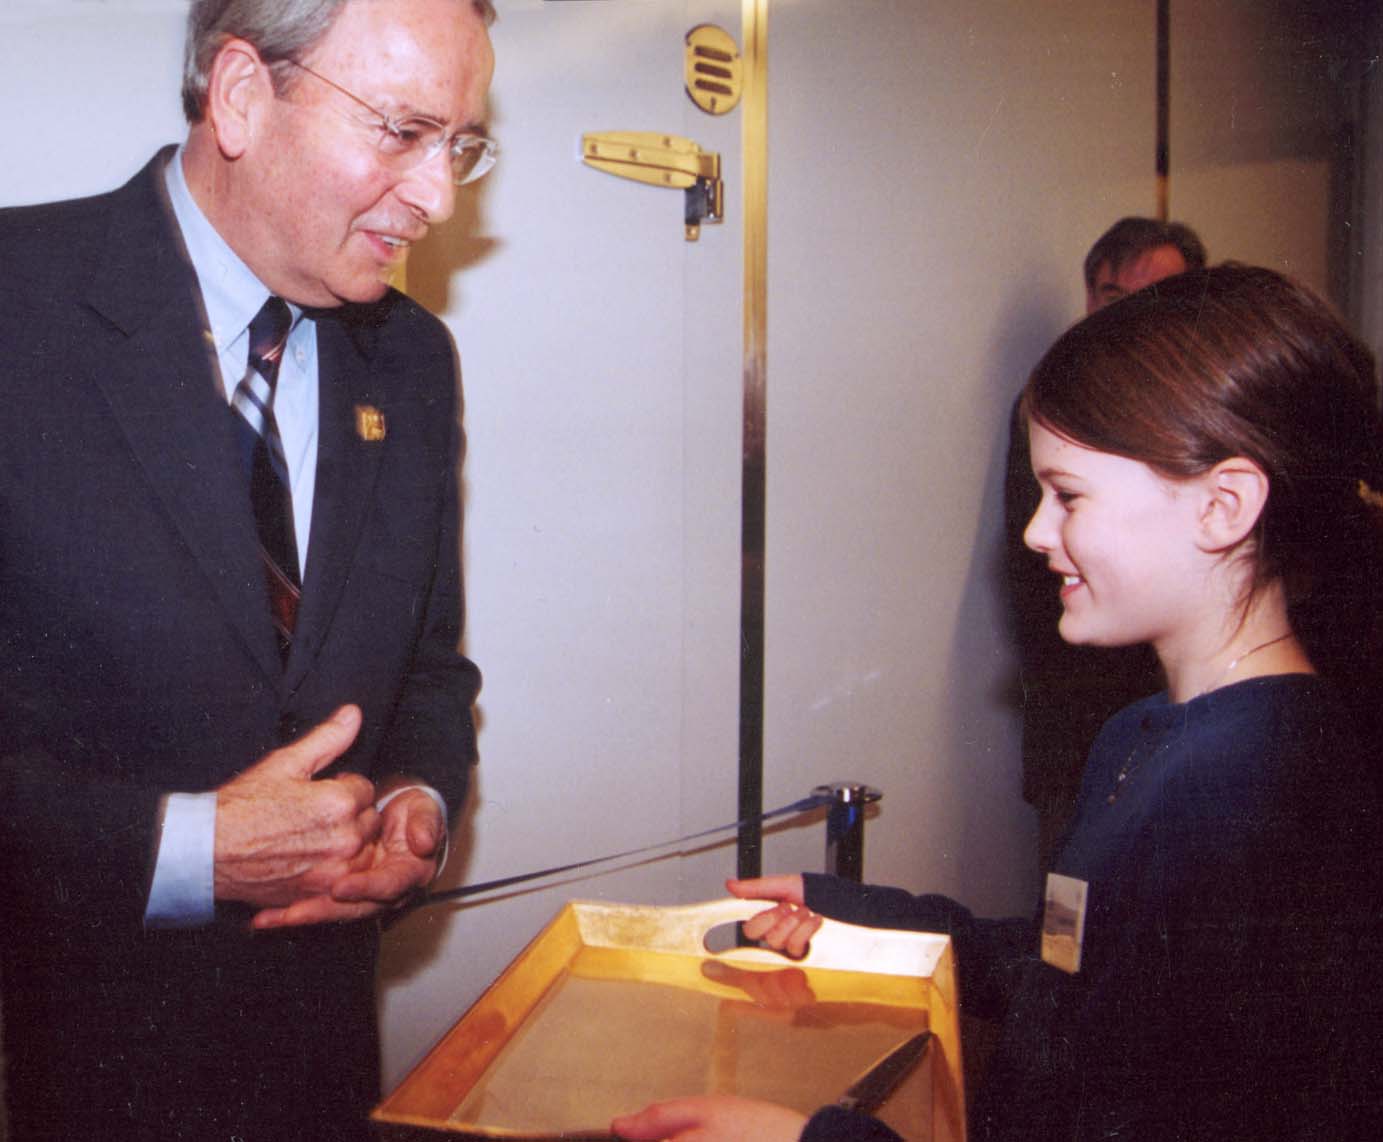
(1163, 155)
(754, 143)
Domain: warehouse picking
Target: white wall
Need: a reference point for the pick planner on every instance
(937, 173)
(601, 357)
(91, 90)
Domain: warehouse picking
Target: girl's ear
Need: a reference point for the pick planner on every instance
(237, 83)
(1234, 494)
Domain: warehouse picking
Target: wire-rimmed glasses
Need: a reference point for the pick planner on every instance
(407, 143)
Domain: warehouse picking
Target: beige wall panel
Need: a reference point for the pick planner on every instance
(1282, 224)
(1259, 107)
(938, 172)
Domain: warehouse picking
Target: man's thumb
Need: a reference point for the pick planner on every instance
(322, 744)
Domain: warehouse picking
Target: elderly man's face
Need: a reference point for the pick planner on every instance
(329, 221)
(1144, 269)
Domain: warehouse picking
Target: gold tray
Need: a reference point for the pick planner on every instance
(614, 1006)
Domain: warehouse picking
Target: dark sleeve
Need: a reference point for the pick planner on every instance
(81, 849)
(1283, 964)
(831, 1124)
(80, 821)
(990, 954)
(431, 734)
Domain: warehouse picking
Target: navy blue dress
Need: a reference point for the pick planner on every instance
(1229, 984)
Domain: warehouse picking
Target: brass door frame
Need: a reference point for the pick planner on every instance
(754, 152)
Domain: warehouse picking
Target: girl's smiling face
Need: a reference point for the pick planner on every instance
(1123, 540)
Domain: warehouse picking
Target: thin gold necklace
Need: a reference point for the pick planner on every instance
(1130, 767)
(1234, 662)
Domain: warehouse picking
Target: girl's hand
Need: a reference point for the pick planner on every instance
(711, 1118)
(787, 928)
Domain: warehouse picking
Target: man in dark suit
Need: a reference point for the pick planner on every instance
(203, 814)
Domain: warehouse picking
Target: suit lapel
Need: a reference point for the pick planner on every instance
(347, 466)
(159, 378)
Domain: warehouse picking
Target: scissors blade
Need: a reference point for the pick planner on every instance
(867, 1093)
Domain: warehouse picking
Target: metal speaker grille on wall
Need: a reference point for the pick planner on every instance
(714, 76)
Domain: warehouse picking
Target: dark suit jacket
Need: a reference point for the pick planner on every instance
(137, 658)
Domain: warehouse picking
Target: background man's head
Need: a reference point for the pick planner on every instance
(1135, 252)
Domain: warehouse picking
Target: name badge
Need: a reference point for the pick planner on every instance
(1063, 922)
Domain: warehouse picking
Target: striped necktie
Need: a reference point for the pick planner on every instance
(270, 493)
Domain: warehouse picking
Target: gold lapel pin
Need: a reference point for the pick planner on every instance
(369, 423)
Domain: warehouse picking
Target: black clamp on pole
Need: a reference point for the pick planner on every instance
(845, 826)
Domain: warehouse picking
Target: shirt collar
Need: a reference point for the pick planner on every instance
(231, 292)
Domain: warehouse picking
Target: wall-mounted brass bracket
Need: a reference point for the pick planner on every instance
(662, 160)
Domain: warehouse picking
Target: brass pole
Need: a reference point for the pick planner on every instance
(754, 143)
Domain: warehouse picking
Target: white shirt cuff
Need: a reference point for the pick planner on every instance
(445, 847)
(182, 893)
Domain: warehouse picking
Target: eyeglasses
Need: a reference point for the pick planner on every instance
(407, 143)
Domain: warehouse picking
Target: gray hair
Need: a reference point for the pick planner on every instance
(281, 31)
